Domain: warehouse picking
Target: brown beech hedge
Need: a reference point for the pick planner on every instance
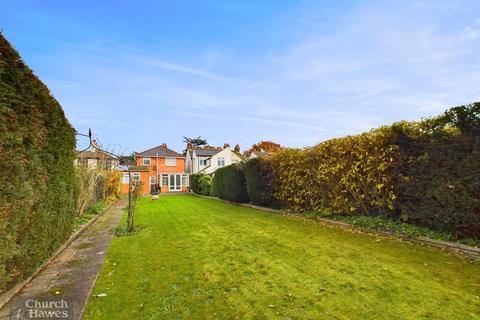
(426, 173)
(37, 177)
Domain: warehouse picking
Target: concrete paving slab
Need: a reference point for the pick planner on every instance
(65, 284)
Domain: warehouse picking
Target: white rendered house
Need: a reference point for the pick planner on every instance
(208, 159)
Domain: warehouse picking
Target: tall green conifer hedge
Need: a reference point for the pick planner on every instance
(229, 183)
(259, 183)
(37, 177)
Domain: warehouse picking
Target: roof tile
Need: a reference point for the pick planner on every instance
(160, 151)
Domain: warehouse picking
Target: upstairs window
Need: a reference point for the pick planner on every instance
(203, 162)
(170, 162)
(147, 161)
(221, 162)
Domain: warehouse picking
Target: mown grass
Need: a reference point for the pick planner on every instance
(199, 258)
(401, 228)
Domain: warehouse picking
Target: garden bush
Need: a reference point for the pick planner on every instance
(194, 182)
(38, 185)
(205, 184)
(112, 184)
(202, 184)
(95, 185)
(229, 183)
(259, 183)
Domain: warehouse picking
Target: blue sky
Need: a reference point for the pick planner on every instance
(141, 73)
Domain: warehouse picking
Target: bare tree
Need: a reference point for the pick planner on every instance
(135, 187)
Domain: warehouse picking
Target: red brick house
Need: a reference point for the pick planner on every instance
(158, 166)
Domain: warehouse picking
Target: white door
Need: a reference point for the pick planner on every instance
(175, 182)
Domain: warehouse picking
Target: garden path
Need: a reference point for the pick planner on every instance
(71, 275)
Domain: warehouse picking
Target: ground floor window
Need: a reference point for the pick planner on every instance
(164, 180)
(185, 181)
(126, 177)
(136, 176)
(174, 181)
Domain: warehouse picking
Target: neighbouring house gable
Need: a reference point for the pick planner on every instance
(93, 158)
(221, 159)
(199, 158)
(259, 154)
(208, 159)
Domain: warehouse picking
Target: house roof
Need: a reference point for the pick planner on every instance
(206, 152)
(239, 155)
(139, 168)
(94, 155)
(132, 168)
(160, 151)
(261, 154)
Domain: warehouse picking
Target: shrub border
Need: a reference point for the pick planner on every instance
(456, 248)
(9, 294)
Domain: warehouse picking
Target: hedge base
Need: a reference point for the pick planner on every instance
(6, 296)
(456, 248)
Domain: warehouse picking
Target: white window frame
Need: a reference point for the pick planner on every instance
(149, 161)
(222, 160)
(185, 180)
(170, 162)
(125, 178)
(152, 180)
(163, 176)
(203, 161)
(136, 176)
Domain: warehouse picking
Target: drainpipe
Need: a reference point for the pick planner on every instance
(157, 179)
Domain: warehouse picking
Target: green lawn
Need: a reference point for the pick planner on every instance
(197, 258)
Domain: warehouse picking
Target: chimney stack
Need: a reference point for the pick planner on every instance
(94, 146)
(189, 146)
(226, 145)
(164, 145)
